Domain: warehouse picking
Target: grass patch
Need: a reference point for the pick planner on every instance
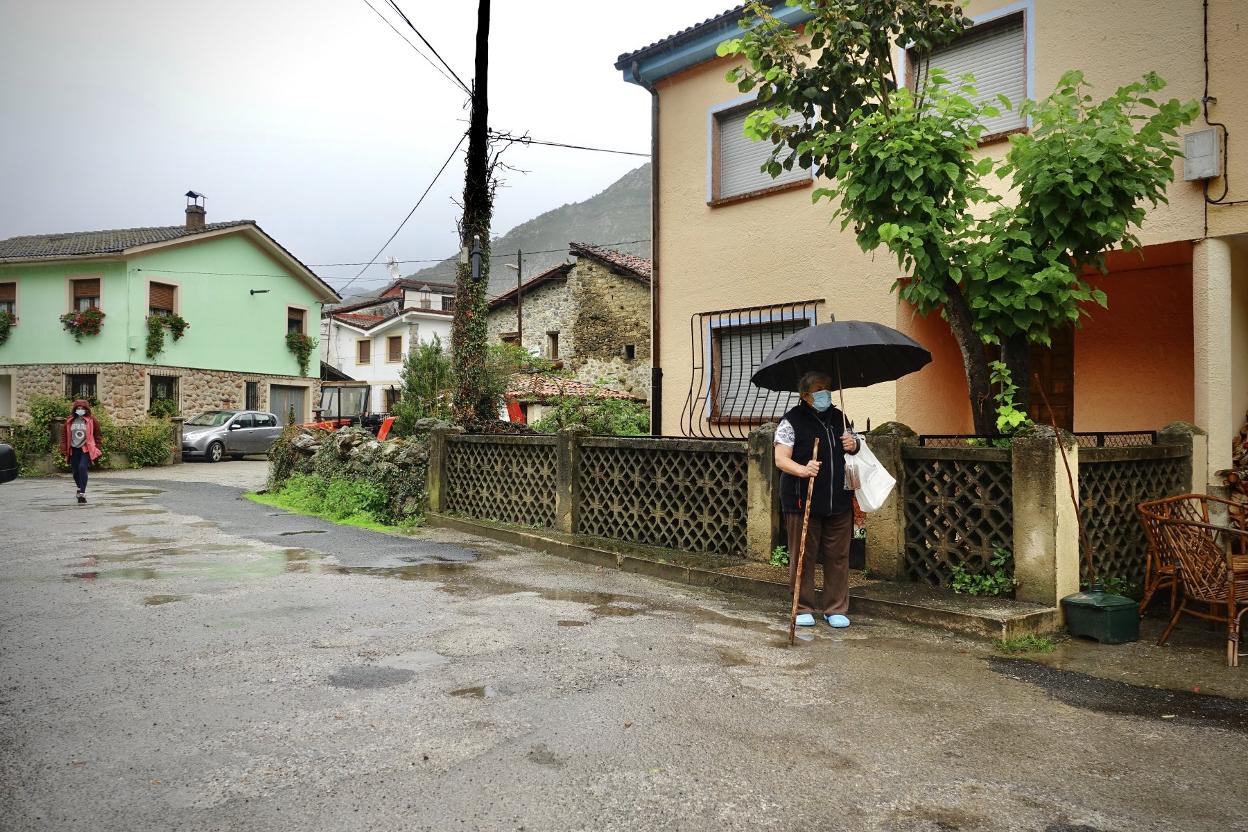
(1029, 643)
(343, 501)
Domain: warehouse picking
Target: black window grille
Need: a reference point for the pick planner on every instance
(253, 395)
(727, 347)
(81, 386)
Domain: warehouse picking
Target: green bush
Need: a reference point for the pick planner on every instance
(603, 417)
(32, 439)
(997, 580)
(163, 408)
(145, 444)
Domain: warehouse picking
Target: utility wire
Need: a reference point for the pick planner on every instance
(427, 59)
(433, 182)
(425, 40)
(492, 256)
(527, 140)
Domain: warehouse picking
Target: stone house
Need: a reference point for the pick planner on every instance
(238, 290)
(369, 340)
(592, 315)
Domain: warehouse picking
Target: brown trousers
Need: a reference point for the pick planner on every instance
(827, 540)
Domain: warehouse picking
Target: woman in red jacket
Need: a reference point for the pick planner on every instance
(80, 443)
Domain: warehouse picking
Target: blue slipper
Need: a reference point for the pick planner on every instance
(838, 621)
(805, 620)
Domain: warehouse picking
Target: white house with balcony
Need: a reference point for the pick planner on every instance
(369, 340)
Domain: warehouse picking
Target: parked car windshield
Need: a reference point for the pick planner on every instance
(211, 418)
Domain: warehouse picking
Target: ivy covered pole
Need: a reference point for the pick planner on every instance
(902, 169)
(472, 404)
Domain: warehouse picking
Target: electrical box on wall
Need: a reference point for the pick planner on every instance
(1202, 157)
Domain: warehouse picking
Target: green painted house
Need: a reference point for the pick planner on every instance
(238, 291)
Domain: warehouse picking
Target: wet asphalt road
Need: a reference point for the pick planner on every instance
(175, 658)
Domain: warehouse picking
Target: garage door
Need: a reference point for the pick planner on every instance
(285, 401)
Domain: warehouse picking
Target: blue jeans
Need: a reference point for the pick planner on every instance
(78, 462)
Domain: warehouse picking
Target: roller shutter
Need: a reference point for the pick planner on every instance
(738, 353)
(996, 55)
(741, 158)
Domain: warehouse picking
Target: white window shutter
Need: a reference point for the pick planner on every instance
(997, 57)
(741, 158)
(741, 351)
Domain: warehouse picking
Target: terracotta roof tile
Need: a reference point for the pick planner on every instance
(726, 20)
(538, 386)
(639, 266)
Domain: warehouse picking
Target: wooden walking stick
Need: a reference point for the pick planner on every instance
(801, 551)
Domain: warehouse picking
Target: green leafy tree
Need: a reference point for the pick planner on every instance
(428, 385)
(903, 171)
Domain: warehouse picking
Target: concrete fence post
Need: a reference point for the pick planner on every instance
(567, 487)
(886, 528)
(439, 450)
(1196, 442)
(175, 425)
(1046, 527)
(762, 494)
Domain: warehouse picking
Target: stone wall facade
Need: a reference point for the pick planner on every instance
(603, 321)
(122, 390)
(546, 308)
(611, 328)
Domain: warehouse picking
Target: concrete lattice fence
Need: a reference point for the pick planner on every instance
(672, 493)
(956, 505)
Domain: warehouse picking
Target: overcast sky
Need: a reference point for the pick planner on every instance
(311, 117)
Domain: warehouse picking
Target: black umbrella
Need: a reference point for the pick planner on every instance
(855, 353)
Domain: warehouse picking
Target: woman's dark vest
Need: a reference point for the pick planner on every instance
(830, 496)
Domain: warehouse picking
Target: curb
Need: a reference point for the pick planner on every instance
(927, 611)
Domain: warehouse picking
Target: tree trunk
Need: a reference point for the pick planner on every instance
(958, 316)
(468, 329)
(1016, 355)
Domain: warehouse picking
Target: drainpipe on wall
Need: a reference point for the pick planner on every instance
(656, 369)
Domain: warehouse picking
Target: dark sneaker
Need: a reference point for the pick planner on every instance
(82, 498)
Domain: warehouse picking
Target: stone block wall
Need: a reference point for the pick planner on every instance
(546, 308)
(122, 389)
(612, 312)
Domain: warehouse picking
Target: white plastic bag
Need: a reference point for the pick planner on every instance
(874, 481)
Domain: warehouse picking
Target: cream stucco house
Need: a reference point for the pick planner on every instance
(740, 260)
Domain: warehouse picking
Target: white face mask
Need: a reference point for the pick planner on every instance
(80, 412)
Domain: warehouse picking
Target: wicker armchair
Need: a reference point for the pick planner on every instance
(1208, 575)
(1159, 569)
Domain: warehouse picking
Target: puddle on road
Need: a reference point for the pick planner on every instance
(304, 531)
(123, 534)
(112, 491)
(476, 692)
(157, 600)
(129, 511)
(568, 622)
(369, 677)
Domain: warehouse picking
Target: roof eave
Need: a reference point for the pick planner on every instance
(646, 66)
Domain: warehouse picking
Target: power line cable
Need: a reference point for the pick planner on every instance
(492, 256)
(427, 59)
(433, 182)
(527, 140)
(425, 40)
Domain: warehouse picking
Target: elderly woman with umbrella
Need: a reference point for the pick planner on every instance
(817, 505)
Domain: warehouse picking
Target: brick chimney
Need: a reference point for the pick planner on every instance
(195, 212)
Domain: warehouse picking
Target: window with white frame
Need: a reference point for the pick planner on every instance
(8, 298)
(737, 160)
(995, 53)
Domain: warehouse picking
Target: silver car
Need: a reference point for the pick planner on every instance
(215, 434)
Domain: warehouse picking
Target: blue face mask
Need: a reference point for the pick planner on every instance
(821, 400)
